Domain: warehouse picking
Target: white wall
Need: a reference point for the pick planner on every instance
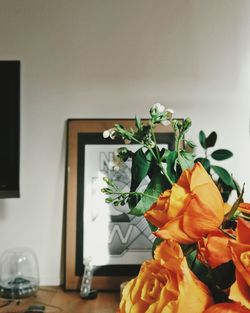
(114, 58)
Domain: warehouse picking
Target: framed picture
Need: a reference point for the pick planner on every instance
(116, 242)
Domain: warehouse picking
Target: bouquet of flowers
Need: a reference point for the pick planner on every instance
(201, 253)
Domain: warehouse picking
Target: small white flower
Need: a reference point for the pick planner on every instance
(151, 144)
(159, 108)
(106, 133)
(109, 133)
(116, 168)
(165, 122)
(116, 163)
(112, 133)
(170, 111)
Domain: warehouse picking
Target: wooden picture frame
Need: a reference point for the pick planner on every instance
(90, 130)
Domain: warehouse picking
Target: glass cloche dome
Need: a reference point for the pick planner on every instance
(19, 273)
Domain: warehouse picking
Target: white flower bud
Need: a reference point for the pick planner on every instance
(116, 168)
(112, 133)
(106, 133)
(158, 107)
(170, 111)
(165, 122)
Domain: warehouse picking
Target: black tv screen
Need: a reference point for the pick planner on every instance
(9, 128)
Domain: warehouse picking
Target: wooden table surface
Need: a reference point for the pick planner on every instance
(58, 301)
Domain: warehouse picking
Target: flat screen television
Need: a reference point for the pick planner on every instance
(9, 129)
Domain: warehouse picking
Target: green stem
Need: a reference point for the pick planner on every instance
(190, 250)
(155, 156)
(158, 158)
(177, 141)
(134, 193)
(244, 216)
(177, 146)
(226, 233)
(193, 262)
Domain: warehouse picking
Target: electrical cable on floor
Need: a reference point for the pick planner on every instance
(58, 309)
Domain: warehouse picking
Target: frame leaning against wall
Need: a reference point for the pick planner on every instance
(84, 135)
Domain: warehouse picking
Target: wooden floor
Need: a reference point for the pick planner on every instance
(56, 301)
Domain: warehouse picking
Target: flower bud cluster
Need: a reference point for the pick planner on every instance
(116, 163)
(109, 133)
(148, 141)
(181, 126)
(123, 153)
(115, 195)
(159, 114)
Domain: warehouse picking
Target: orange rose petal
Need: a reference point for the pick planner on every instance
(185, 179)
(214, 249)
(243, 231)
(168, 295)
(155, 216)
(140, 280)
(204, 187)
(168, 249)
(240, 291)
(177, 202)
(236, 250)
(126, 303)
(173, 230)
(211, 198)
(227, 208)
(198, 220)
(226, 308)
(139, 307)
(197, 298)
(244, 207)
(200, 177)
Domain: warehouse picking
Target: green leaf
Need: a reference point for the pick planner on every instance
(133, 200)
(235, 206)
(138, 122)
(196, 266)
(188, 248)
(225, 189)
(191, 144)
(223, 174)
(236, 187)
(186, 160)
(157, 185)
(224, 275)
(202, 139)
(221, 154)
(152, 227)
(171, 159)
(204, 162)
(164, 154)
(140, 166)
(211, 140)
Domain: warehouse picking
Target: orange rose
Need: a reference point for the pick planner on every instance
(244, 208)
(213, 250)
(227, 308)
(190, 210)
(240, 250)
(165, 284)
